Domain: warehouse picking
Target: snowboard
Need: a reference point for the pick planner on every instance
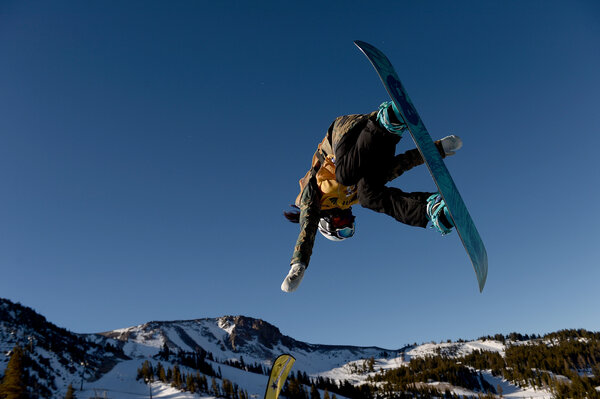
(441, 176)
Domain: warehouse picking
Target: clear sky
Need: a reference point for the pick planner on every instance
(148, 149)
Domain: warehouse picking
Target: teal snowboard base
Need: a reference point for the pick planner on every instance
(441, 176)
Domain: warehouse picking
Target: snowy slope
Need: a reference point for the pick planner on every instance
(334, 362)
(215, 336)
(456, 349)
(107, 363)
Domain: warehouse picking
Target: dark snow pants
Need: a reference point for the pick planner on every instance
(366, 159)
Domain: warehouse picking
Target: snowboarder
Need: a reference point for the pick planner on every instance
(351, 166)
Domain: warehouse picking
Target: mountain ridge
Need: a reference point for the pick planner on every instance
(241, 349)
(267, 333)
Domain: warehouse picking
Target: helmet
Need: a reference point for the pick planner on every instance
(337, 224)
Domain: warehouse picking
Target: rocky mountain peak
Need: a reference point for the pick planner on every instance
(243, 330)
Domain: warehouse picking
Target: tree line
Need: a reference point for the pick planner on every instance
(193, 382)
(567, 363)
(419, 371)
(574, 354)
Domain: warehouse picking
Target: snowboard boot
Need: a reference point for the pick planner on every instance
(438, 214)
(294, 277)
(387, 117)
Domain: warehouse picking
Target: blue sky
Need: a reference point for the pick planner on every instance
(148, 149)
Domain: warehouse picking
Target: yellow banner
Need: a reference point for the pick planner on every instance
(279, 373)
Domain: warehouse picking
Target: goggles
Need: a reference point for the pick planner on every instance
(347, 221)
(337, 224)
(345, 232)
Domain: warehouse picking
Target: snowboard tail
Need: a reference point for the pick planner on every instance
(465, 227)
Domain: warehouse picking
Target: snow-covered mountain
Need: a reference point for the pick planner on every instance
(108, 361)
(234, 349)
(230, 338)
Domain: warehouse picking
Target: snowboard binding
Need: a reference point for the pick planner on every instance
(387, 116)
(438, 214)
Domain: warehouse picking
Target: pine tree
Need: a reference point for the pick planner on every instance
(70, 392)
(176, 379)
(215, 387)
(295, 390)
(14, 382)
(160, 372)
(228, 389)
(314, 392)
(146, 372)
(203, 383)
(190, 384)
(371, 365)
(165, 352)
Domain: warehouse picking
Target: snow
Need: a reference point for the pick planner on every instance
(143, 342)
(226, 326)
(512, 391)
(174, 337)
(121, 382)
(457, 349)
(332, 363)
